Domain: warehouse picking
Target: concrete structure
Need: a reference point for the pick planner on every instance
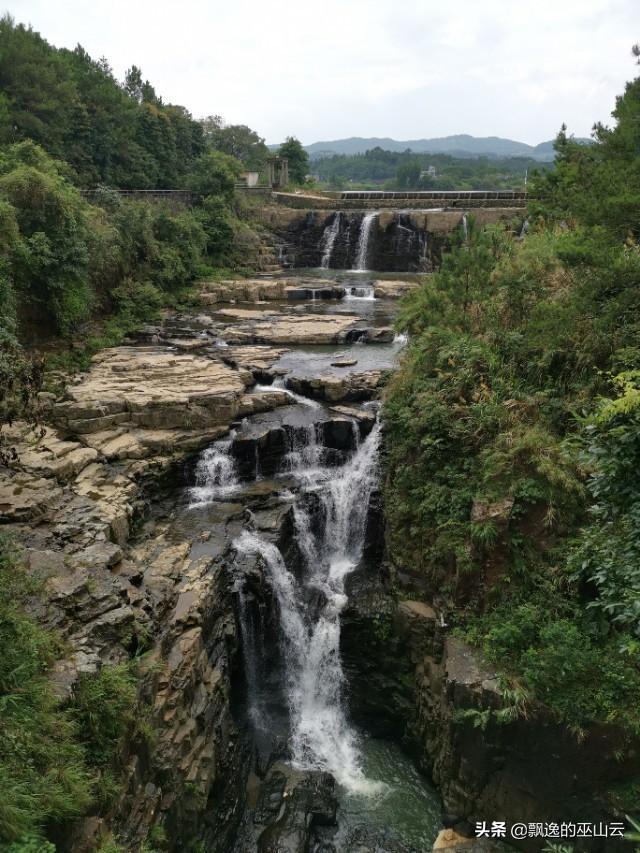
(249, 179)
(278, 171)
(379, 200)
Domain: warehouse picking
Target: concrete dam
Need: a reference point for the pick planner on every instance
(383, 231)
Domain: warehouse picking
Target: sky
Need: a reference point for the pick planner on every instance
(329, 69)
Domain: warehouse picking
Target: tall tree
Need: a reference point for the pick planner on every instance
(298, 159)
(237, 140)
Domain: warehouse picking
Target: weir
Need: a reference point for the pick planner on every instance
(400, 239)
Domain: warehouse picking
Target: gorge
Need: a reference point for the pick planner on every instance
(319, 492)
(298, 685)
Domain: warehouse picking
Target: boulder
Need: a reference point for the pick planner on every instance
(352, 387)
(24, 497)
(155, 388)
(384, 289)
(284, 329)
(259, 452)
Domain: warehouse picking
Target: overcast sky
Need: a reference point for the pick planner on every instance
(333, 68)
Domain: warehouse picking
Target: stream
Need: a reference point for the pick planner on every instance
(298, 520)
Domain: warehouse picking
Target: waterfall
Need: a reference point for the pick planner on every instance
(362, 292)
(304, 452)
(328, 240)
(296, 398)
(465, 227)
(216, 474)
(366, 227)
(251, 657)
(321, 737)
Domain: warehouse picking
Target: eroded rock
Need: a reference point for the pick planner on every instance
(351, 387)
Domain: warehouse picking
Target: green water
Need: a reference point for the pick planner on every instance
(405, 815)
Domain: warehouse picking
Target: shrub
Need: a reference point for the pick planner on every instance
(43, 775)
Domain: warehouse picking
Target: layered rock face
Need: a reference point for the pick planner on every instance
(262, 290)
(419, 683)
(72, 498)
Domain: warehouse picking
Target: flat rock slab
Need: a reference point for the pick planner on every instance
(243, 313)
(393, 289)
(345, 362)
(293, 329)
(23, 496)
(153, 388)
(252, 357)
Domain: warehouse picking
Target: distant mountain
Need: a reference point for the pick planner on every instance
(460, 145)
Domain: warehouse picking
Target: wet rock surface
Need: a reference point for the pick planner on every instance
(260, 327)
(349, 388)
(126, 566)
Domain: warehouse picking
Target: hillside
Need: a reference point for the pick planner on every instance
(460, 145)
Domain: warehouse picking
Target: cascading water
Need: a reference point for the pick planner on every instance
(364, 237)
(304, 452)
(216, 474)
(251, 666)
(362, 292)
(328, 240)
(296, 398)
(310, 608)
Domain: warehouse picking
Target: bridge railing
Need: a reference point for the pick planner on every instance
(458, 195)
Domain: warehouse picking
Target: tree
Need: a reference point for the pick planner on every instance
(298, 159)
(408, 174)
(214, 173)
(237, 140)
(140, 90)
(73, 106)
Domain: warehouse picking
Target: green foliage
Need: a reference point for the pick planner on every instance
(29, 844)
(560, 658)
(298, 159)
(408, 173)
(598, 184)
(214, 174)
(55, 760)
(606, 555)
(396, 170)
(50, 258)
(65, 260)
(43, 775)
(77, 111)
(103, 708)
(236, 140)
(513, 455)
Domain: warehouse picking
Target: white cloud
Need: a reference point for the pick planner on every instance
(366, 67)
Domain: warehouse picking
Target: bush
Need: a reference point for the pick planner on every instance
(43, 775)
(103, 710)
(562, 661)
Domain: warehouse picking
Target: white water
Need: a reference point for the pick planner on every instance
(465, 227)
(321, 737)
(249, 644)
(362, 293)
(328, 240)
(297, 398)
(305, 453)
(366, 227)
(216, 474)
